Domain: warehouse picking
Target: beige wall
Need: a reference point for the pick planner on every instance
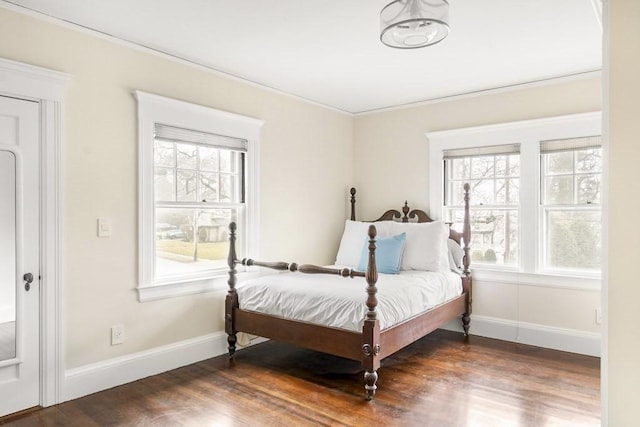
(622, 83)
(392, 153)
(299, 142)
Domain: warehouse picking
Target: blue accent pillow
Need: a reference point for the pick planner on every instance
(388, 254)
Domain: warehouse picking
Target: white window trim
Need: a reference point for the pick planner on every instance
(158, 109)
(528, 134)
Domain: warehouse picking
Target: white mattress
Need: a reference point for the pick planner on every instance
(340, 302)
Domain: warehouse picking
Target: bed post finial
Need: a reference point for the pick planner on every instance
(405, 211)
(353, 203)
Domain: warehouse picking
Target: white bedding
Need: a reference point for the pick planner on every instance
(340, 302)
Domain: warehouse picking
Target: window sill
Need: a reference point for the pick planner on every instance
(182, 286)
(547, 280)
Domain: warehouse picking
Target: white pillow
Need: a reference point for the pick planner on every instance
(426, 245)
(455, 255)
(354, 238)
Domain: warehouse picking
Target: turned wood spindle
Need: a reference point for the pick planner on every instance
(372, 275)
(231, 301)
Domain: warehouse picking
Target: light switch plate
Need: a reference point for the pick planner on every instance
(104, 227)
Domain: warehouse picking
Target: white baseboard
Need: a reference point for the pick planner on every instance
(110, 373)
(570, 340)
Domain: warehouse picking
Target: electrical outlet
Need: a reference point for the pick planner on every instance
(598, 316)
(117, 334)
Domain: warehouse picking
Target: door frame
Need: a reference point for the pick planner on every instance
(46, 87)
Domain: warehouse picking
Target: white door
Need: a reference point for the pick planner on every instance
(19, 255)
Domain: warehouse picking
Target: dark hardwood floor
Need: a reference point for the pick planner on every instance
(440, 380)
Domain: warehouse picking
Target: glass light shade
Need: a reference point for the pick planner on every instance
(409, 24)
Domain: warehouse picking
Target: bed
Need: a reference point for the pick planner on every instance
(376, 322)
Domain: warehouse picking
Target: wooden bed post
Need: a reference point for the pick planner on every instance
(231, 302)
(353, 203)
(466, 260)
(371, 326)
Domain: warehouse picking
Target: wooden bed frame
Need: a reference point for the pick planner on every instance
(371, 345)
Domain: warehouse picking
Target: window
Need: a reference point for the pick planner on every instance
(571, 171)
(198, 191)
(535, 193)
(494, 176)
(198, 172)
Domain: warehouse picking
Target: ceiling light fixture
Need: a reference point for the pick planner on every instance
(409, 24)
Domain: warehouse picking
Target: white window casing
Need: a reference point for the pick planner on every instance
(154, 111)
(528, 135)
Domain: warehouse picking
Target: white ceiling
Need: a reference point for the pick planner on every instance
(329, 52)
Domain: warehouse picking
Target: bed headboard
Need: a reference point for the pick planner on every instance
(417, 215)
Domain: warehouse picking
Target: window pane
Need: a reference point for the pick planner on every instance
(507, 191)
(589, 160)
(460, 168)
(482, 192)
(455, 217)
(209, 159)
(455, 196)
(226, 188)
(177, 252)
(226, 161)
(209, 187)
(574, 240)
(512, 232)
(494, 235)
(482, 167)
(559, 190)
(163, 154)
(164, 185)
(508, 165)
(589, 188)
(186, 186)
(561, 162)
(187, 156)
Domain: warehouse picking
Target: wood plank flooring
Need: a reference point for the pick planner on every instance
(441, 380)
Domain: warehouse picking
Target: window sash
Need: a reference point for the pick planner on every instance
(569, 240)
(499, 222)
(196, 244)
(498, 181)
(174, 173)
(572, 177)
